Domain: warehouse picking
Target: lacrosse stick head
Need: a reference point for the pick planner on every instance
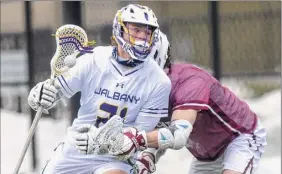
(71, 40)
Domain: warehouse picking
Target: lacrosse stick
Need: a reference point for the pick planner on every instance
(70, 40)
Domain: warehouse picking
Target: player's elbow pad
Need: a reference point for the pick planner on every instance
(175, 136)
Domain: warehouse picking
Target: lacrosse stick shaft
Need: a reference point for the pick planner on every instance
(28, 140)
(30, 134)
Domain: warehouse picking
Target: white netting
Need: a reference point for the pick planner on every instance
(70, 39)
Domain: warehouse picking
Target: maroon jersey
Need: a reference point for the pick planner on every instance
(221, 115)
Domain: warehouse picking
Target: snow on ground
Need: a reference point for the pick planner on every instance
(14, 128)
(14, 131)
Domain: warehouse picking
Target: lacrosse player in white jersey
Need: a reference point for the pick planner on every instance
(113, 80)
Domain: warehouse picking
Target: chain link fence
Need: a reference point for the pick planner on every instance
(249, 32)
(250, 39)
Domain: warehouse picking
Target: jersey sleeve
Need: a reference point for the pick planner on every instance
(190, 93)
(72, 81)
(157, 104)
(146, 123)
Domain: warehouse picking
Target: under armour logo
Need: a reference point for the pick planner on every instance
(120, 84)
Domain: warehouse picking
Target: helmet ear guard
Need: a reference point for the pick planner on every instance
(168, 60)
(161, 51)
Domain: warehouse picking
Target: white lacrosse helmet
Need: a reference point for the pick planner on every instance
(160, 50)
(138, 14)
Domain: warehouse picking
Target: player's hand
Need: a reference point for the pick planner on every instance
(83, 138)
(145, 163)
(133, 141)
(91, 140)
(44, 94)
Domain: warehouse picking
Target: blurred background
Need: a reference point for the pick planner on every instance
(239, 42)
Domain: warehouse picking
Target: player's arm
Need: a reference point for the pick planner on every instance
(73, 80)
(190, 95)
(65, 85)
(176, 135)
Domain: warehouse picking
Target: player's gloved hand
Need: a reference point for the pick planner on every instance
(133, 141)
(145, 163)
(83, 139)
(44, 94)
(89, 139)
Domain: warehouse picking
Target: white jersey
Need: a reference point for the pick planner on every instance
(108, 88)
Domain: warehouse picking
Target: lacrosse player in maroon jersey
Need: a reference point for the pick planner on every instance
(218, 128)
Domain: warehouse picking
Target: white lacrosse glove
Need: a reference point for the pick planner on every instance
(89, 139)
(145, 163)
(44, 94)
(83, 139)
(133, 141)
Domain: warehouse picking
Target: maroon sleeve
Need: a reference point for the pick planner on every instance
(190, 93)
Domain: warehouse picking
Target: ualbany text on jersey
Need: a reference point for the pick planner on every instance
(117, 95)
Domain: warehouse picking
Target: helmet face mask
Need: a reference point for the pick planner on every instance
(137, 32)
(135, 29)
(139, 37)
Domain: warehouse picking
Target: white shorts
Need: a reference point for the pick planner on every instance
(67, 160)
(242, 155)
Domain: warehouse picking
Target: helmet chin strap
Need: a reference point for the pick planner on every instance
(128, 63)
